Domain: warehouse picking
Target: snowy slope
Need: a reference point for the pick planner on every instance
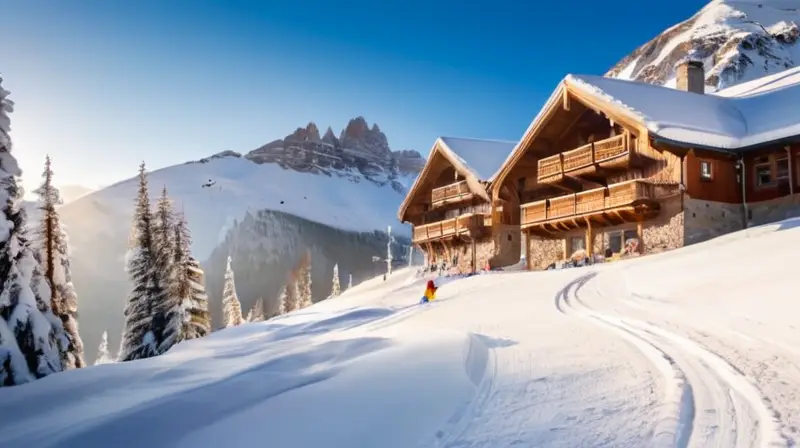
(738, 40)
(684, 348)
(352, 203)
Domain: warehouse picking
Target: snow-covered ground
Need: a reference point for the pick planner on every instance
(696, 347)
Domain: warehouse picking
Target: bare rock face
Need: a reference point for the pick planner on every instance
(308, 134)
(737, 42)
(357, 135)
(361, 153)
(329, 138)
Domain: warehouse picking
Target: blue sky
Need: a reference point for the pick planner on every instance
(102, 85)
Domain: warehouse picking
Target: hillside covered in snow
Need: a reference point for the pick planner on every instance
(738, 40)
(627, 354)
(328, 198)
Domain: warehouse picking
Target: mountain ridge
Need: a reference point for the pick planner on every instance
(737, 41)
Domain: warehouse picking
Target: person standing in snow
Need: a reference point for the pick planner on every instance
(430, 292)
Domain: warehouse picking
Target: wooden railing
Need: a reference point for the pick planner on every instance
(586, 155)
(451, 191)
(593, 201)
(450, 227)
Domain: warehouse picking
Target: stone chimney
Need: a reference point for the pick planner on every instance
(690, 76)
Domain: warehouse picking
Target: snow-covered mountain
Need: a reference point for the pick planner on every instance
(738, 40)
(327, 195)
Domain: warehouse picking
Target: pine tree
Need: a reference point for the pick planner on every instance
(190, 285)
(29, 331)
(103, 356)
(52, 248)
(282, 298)
(335, 289)
(256, 313)
(292, 294)
(144, 318)
(170, 309)
(231, 306)
(304, 282)
(350, 281)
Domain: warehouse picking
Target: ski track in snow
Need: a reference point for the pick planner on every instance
(707, 402)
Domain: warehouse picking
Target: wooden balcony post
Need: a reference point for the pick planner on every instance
(589, 238)
(593, 154)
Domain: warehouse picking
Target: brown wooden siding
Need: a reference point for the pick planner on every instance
(768, 160)
(721, 186)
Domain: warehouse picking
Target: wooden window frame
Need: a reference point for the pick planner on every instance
(771, 162)
(710, 166)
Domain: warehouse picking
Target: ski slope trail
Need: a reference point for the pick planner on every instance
(712, 403)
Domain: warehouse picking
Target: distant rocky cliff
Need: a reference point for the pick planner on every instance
(360, 152)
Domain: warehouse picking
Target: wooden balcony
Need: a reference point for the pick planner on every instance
(471, 225)
(613, 152)
(455, 192)
(610, 205)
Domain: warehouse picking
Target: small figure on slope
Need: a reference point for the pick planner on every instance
(430, 292)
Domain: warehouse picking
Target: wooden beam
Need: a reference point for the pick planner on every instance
(589, 237)
(565, 99)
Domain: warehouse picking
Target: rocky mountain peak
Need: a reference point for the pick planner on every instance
(330, 138)
(308, 134)
(358, 135)
(737, 41)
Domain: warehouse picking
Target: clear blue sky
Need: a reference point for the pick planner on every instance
(104, 84)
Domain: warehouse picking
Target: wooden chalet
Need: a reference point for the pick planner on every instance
(609, 161)
(448, 206)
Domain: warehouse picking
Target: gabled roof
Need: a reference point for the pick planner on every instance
(481, 157)
(476, 160)
(747, 115)
(735, 119)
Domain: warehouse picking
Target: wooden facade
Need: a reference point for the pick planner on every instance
(586, 175)
(582, 174)
(450, 214)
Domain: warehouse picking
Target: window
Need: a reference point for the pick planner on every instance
(782, 168)
(578, 243)
(705, 170)
(763, 175)
(616, 240)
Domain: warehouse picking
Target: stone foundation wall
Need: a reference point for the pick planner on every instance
(545, 251)
(508, 244)
(484, 251)
(774, 210)
(666, 231)
(704, 220)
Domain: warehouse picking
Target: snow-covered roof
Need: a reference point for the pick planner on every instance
(483, 158)
(739, 117)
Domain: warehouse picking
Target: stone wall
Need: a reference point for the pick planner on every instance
(545, 251)
(774, 210)
(508, 244)
(666, 231)
(484, 251)
(704, 220)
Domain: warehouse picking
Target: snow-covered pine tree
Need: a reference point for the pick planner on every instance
(282, 298)
(292, 293)
(389, 257)
(143, 325)
(52, 249)
(350, 281)
(335, 289)
(29, 331)
(256, 313)
(170, 309)
(103, 356)
(304, 282)
(190, 284)
(231, 306)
